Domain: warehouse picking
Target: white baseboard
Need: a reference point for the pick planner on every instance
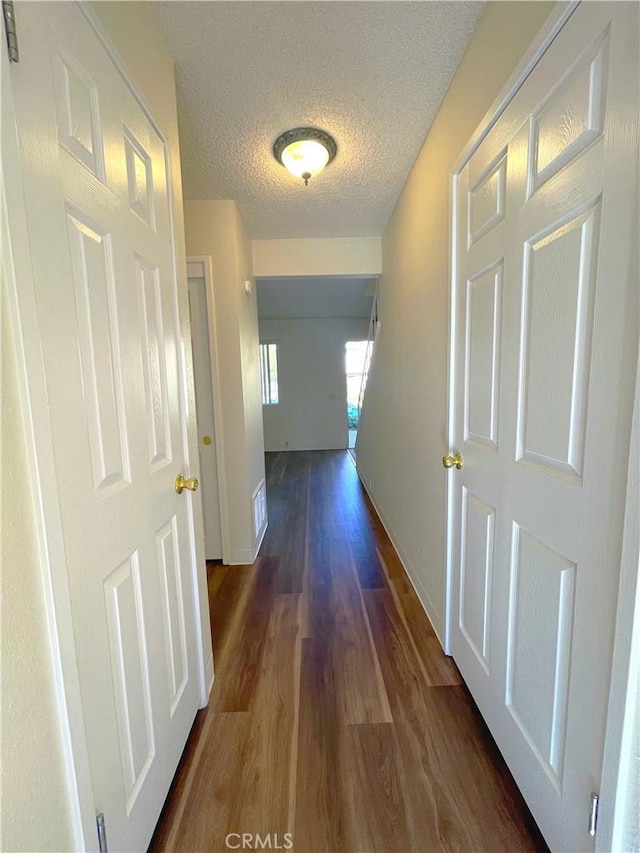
(260, 538)
(246, 556)
(209, 674)
(242, 557)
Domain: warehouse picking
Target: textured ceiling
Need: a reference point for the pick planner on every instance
(372, 74)
(315, 297)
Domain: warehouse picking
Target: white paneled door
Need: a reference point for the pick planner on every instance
(207, 437)
(545, 328)
(95, 180)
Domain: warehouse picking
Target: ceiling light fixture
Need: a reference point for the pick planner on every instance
(304, 151)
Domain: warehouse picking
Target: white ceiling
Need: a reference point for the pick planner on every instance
(315, 297)
(372, 74)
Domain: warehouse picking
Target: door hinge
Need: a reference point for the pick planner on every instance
(10, 30)
(102, 833)
(593, 813)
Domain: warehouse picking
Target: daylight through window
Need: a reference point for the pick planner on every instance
(269, 373)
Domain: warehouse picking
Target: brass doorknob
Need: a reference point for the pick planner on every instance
(453, 461)
(206, 439)
(181, 484)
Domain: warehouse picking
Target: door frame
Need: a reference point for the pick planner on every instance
(41, 471)
(200, 266)
(626, 654)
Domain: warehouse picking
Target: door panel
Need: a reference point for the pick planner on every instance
(571, 116)
(540, 615)
(482, 368)
(546, 326)
(78, 116)
(154, 363)
(98, 212)
(139, 179)
(486, 200)
(130, 673)
(175, 634)
(93, 274)
(476, 574)
(555, 342)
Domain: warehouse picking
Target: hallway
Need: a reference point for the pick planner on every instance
(334, 715)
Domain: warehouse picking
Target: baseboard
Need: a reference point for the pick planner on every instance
(414, 578)
(242, 557)
(340, 446)
(260, 539)
(209, 675)
(246, 556)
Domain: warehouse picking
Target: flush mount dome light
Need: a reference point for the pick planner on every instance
(304, 151)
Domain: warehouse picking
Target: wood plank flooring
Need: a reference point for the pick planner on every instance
(334, 717)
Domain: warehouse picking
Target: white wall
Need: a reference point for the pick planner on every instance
(216, 228)
(35, 806)
(312, 409)
(250, 360)
(323, 256)
(631, 836)
(627, 664)
(407, 394)
(619, 813)
(35, 813)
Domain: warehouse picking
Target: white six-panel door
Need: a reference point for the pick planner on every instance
(545, 327)
(207, 436)
(95, 179)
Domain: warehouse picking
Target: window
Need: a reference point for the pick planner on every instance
(356, 354)
(269, 374)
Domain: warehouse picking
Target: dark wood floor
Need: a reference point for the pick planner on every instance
(335, 717)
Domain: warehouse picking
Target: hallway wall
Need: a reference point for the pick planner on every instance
(35, 812)
(323, 256)
(631, 819)
(312, 409)
(402, 433)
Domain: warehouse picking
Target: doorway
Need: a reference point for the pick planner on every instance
(207, 408)
(355, 355)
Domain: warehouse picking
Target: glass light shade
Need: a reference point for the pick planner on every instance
(304, 151)
(305, 158)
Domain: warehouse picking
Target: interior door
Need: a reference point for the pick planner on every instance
(200, 343)
(546, 329)
(95, 181)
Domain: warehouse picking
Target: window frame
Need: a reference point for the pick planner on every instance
(269, 379)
